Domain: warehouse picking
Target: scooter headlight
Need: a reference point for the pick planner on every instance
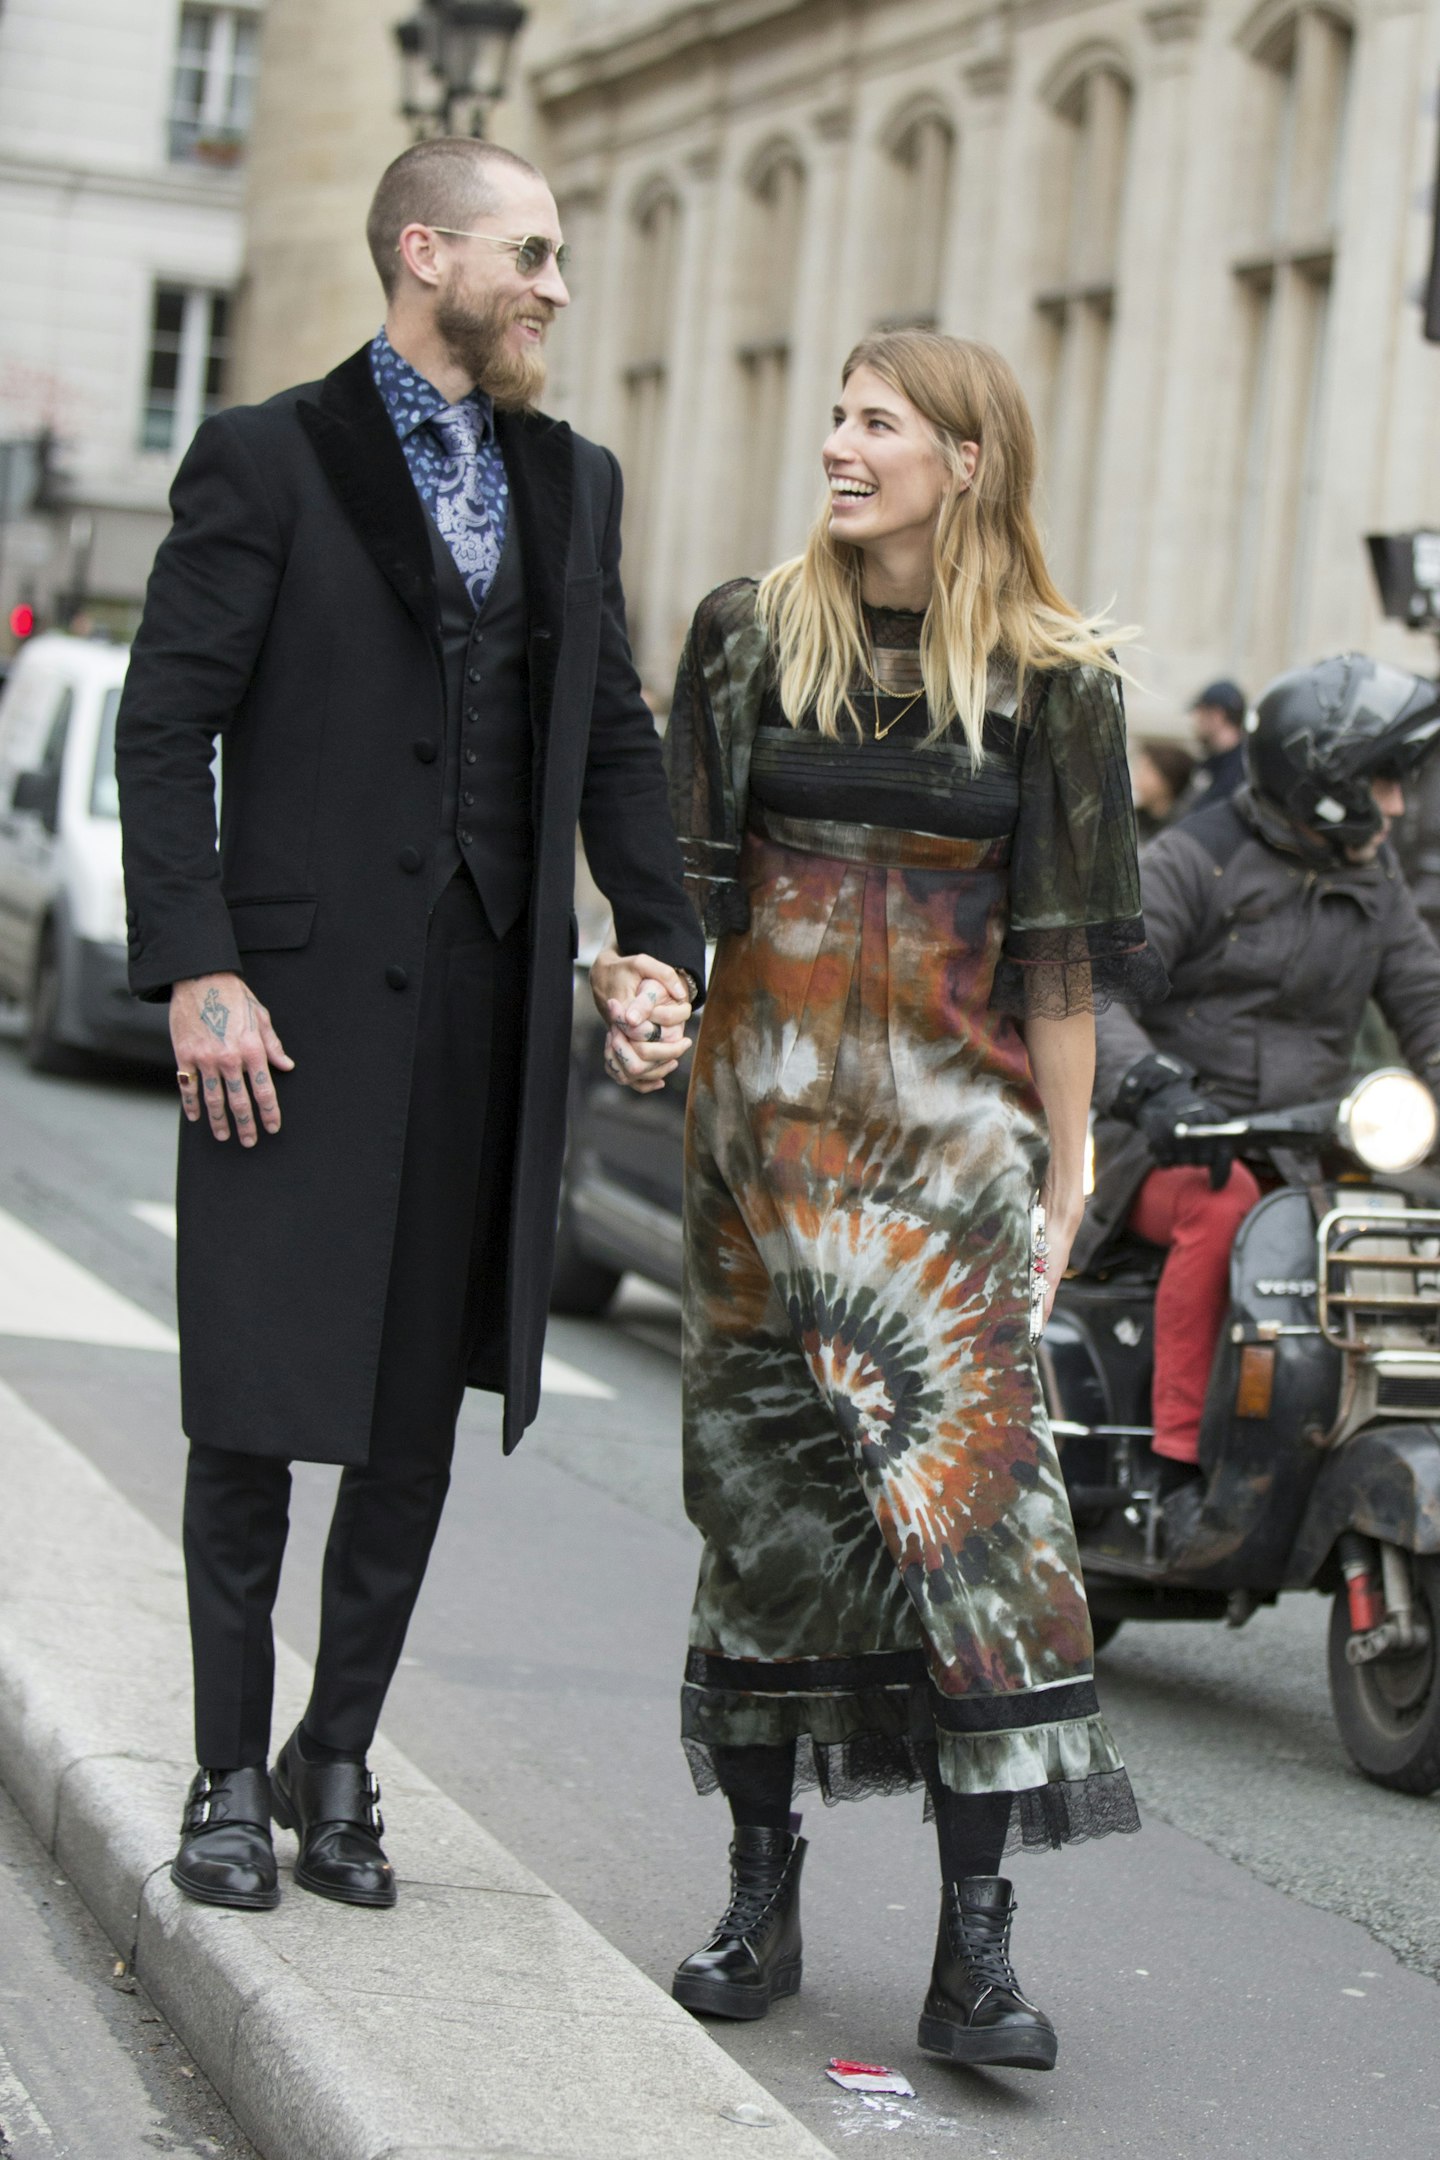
(1389, 1120)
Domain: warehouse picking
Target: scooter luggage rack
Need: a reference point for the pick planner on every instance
(1341, 1311)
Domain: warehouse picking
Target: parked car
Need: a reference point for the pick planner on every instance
(62, 893)
(624, 1154)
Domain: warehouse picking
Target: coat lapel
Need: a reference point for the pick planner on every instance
(540, 464)
(361, 457)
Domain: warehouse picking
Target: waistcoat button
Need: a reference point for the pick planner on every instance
(396, 977)
(425, 750)
(467, 798)
(410, 859)
(467, 839)
(471, 756)
(473, 673)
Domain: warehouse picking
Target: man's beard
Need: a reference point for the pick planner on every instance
(475, 337)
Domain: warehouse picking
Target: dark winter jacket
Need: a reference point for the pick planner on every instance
(1272, 959)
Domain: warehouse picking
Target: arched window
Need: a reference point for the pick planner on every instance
(914, 216)
(650, 319)
(1085, 181)
(1284, 267)
(769, 282)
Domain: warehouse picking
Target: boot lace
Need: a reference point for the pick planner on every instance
(982, 1939)
(751, 1897)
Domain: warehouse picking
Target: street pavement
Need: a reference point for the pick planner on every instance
(88, 2069)
(1253, 1976)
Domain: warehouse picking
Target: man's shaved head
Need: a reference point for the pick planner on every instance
(451, 181)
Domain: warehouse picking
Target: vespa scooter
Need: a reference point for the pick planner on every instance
(1320, 1441)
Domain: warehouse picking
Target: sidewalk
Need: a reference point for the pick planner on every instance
(484, 2017)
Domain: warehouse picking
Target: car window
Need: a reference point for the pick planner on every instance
(52, 757)
(34, 705)
(104, 787)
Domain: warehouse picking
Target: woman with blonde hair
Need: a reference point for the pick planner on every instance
(898, 772)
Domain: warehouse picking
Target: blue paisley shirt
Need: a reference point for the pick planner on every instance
(454, 461)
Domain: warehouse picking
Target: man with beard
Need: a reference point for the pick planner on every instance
(394, 596)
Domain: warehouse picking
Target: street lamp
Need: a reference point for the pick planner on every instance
(454, 60)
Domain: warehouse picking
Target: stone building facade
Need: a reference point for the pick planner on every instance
(1196, 226)
(123, 127)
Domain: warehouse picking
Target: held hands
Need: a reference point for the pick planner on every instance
(225, 1049)
(645, 1005)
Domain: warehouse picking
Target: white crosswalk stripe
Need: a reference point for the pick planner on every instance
(44, 1293)
(22, 2127)
(557, 1377)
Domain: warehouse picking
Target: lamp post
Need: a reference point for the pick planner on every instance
(454, 60)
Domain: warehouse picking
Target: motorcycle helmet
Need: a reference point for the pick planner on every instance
(1320, 734)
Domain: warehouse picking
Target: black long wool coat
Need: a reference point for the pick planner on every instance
(292, 612)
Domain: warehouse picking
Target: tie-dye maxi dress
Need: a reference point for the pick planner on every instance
(889, 1574)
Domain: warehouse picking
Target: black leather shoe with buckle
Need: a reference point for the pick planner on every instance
(975, 2012)
(225, 1855)
(334, 1809)
(754, 1955)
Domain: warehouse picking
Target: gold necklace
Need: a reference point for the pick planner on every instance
(877, 690)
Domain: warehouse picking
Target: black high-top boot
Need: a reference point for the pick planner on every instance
(754, 1954)
(225, 1855)
(975, 2012)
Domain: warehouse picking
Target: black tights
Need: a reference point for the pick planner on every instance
(758, 1783)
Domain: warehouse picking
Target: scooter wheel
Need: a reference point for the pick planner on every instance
(1389, 1712)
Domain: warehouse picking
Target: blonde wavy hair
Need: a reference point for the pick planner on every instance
(992, 592)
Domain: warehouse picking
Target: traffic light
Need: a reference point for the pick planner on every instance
(22, 620)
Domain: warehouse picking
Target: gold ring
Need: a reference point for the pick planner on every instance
(186, 1079)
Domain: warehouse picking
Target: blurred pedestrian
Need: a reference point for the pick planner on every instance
(1218, 716)
(387, 593)
(1160, 774)
(898, 770)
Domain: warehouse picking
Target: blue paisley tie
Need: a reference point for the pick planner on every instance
(470, 504)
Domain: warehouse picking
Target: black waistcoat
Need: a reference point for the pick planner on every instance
(485, 818)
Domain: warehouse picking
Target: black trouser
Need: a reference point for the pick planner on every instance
(448, 1259)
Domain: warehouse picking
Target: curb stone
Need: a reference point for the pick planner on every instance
(483, 2019)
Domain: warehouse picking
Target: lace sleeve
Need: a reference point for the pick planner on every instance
(1076, 937)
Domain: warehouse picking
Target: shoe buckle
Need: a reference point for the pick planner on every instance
(372, 1796)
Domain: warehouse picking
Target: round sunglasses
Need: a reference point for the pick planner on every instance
(531, 254)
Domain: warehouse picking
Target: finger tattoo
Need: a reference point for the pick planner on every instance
(212, 1084)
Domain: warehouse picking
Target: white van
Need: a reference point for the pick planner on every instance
(62, 895)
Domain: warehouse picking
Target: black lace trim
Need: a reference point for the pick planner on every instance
(806, 1676)
(870, 1764)
(1015, 1713)
(1081, 967)
(888, 1670)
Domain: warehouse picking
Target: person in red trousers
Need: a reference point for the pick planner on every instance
(1278, 914)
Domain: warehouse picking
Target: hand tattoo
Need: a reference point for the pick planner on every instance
(212, 1085)
(215, 1014)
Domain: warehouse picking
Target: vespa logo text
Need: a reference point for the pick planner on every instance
(1287, 1286)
